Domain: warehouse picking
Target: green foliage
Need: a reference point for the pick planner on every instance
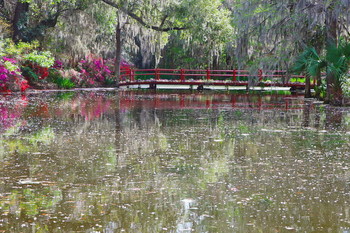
(62, 82)
(65, 83)
(346, 85)
(297, 80)
(10, 66)
(321, 90)
(23, 52)
(29, 74)
(338, 59)
(43, 59)
(9, 48)
(309, 62)
(109, 81)
(336, 63)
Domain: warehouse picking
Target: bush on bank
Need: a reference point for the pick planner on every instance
(25, 65)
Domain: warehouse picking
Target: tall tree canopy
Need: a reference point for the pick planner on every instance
(228, 33)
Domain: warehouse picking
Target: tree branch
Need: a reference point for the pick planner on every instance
(163, 21)
(141, 21)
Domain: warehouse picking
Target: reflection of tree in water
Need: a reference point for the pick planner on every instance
(334, 118)
(306, 114)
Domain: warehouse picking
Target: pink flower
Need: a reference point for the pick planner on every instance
(13, 61)
(58, 64)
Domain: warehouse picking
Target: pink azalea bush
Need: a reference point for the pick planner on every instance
(58, 65)
(22, 64)
(94, 71)
(11, 78)
(16, 57)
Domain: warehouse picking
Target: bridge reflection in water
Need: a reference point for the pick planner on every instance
(131, 99)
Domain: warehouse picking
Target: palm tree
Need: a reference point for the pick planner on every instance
(338, 59)
(336, 63)
(310, 63)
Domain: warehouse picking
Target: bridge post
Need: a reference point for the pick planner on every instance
(156, 71)
(234, 75)
(182, 76)
(132, 74)
(208, 74)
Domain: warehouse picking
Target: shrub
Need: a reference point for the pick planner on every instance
(58, 64)
(94, 70)
(109, 81)
(346, 85)
(62, 82)
(73, 75)
(11, 78)
(3, 77)
(42, 59)
(29, 74)
(25, 54)
(9, 49)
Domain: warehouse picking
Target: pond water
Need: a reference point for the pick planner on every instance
(140, 161)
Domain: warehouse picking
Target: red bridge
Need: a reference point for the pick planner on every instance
(201, 78)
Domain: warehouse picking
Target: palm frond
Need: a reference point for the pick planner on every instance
(333, 54)
(302, 61)
(342, 65)
(335, 70)
(299, 65)
(310, 62)
(312, 53)
(315, 66)
(346, 50)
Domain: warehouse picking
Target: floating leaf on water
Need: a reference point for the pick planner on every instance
(218, 140)
(28, 181)
(188, 200)
(273, 130)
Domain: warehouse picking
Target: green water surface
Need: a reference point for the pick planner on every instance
(140, 161)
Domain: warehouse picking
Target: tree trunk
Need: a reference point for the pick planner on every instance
(318, 85)
(216, 62)
(307, 86)
(242, 50)
(334, 93)
(337, 99)
(319, 46)
(118, 53)
(20, 20)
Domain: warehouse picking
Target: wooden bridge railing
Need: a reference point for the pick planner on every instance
(188, 75)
